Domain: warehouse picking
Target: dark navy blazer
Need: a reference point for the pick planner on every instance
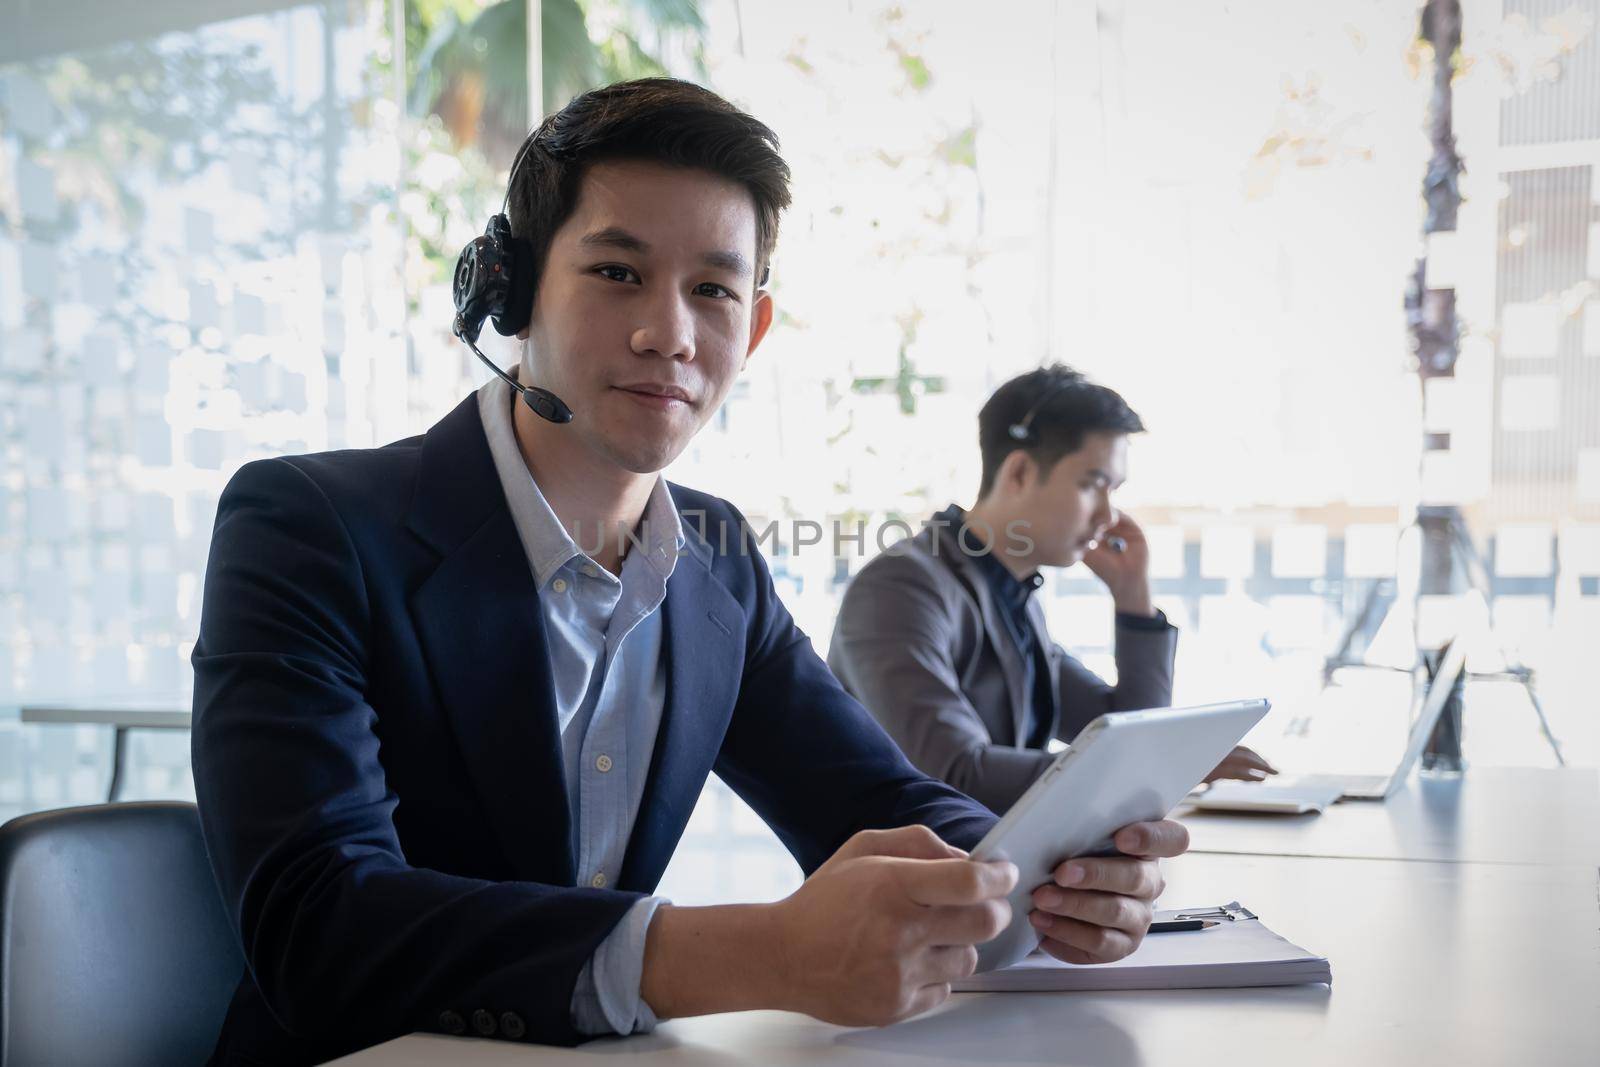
(378, 764)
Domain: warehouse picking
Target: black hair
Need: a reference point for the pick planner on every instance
(1047, 413)
(660, 120)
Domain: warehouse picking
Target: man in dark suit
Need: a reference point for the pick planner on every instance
(941, 637)
(456, 697)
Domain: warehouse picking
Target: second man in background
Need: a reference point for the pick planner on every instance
(941, 637)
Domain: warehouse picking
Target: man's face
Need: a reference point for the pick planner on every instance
(1071, 505)
(646, 308)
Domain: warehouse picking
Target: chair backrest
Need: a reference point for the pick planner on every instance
(114, 945)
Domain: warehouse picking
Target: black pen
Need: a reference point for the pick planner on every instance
(1174, 926)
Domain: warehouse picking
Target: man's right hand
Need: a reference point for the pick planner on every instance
(878, 933)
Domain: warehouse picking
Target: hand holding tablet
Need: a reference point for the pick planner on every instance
(1085, 892)
(1097, 909)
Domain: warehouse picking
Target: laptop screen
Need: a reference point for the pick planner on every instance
(1455, 658)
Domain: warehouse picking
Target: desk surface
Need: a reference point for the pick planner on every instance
(152, 715)
(1432, 963)
(1488, 815)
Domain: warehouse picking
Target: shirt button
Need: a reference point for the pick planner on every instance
(591, 570)
(559, 585)
(602, 764)
(599, 880)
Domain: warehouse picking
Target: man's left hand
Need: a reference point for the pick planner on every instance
(1126, 573)
(1098, 909)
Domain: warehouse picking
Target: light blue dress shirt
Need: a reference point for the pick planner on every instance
(610, 684)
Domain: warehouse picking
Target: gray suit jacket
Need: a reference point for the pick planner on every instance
(920, 642)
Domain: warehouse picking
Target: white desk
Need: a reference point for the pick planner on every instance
(1432, 963)
(1489, 815)
(122, 717)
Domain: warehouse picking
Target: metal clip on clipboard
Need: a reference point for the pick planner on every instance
(1232, 911)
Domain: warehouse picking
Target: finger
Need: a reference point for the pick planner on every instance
(1126, 524)
(1250, 759)
(927, 998)
(1102, 562)
(1079, 942)
(1117, 874)
(1233, 768)
(948, 963)
(954, 881)
(1164, 839)
(966, 924)
(907, 842)
(1115, 910)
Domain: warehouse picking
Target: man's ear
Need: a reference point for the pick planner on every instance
(1017, 470)
(761, 315)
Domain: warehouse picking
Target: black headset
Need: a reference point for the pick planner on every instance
(495, 278)
(1022, 430)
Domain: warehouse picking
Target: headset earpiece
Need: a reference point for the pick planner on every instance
(491, 281)
(494, 279)
(517, 308)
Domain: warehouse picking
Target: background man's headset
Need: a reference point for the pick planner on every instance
(495, 278)
(1022, 430)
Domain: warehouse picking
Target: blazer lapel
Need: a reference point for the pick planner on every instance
(482, 634)
(703, 642)
(1011, 665)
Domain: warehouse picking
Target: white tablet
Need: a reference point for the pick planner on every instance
(1125, 767)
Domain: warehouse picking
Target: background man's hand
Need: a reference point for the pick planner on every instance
(1244, 764)
(1098, 909)
(878, 933)
(1126, 573)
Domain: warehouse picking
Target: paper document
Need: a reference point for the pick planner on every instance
(1231, 954)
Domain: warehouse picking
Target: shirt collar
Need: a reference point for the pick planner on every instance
(546, 543)
(1012, 590)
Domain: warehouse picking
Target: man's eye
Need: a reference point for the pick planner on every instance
(712, 289)
(616, 273)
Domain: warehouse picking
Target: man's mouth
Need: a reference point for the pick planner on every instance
(657, 395)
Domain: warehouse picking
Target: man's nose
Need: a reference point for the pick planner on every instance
(665, 329)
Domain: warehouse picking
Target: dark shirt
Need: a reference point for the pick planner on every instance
(1011, 595)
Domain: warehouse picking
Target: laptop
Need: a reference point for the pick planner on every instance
(1313, 792)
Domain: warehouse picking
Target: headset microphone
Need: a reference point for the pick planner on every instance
(495, 279)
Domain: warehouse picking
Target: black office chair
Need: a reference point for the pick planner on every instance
(114, 947)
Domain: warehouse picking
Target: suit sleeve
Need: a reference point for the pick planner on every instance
(344, 939)
(1145, 656)
(811, 761)
(892, 648)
